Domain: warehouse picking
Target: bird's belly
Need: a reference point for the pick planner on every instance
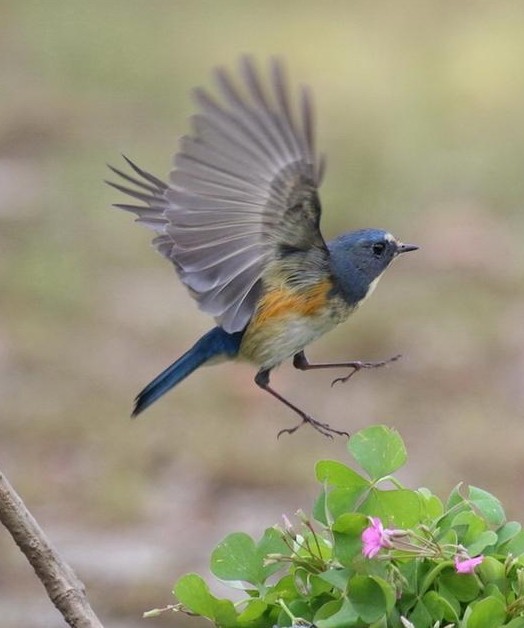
(279, 330)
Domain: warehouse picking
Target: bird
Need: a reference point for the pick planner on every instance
(239, 220)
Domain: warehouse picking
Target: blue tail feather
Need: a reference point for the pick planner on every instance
(215, 343)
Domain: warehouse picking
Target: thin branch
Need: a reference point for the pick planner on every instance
(63, 587)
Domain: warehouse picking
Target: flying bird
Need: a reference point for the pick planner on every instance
(240, 222)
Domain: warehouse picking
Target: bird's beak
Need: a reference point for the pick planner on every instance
(406, 248)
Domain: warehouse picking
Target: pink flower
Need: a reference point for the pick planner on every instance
(374, 537)
(467, 565)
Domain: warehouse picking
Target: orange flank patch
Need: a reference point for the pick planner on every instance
(280, 303)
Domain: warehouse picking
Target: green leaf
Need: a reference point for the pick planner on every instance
(455, 498)
(347, 533)
(485, 539)
(482, 502)
(447, 537)
(412, 573)
(469, 525)
(371, 596)
(344, 500)
(506, 532)
(379, 450)
(400, 508)
(388, 591)
(271, 543)
(516, 545)
(454, 505)
(493, 590)
(487, 613)
(225, 614)
(491, 571)
(488, 505)
(336, 615)
(237, 558)
(433, 505)
(420, 617)
(320, 509)
(337, 578)
(352, 523)
(300, 608)
(285, 589)
(253, 610)
(449, 597)
(472, 533)
(464, 587)
(194, 594)
(439, 608)
(318, 586)
(335, 473)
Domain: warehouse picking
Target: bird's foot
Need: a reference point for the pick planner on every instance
(324, 428)
(358, 366)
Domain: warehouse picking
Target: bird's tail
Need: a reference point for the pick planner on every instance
(217, 343)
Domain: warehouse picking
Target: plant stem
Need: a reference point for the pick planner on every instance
(63, 587)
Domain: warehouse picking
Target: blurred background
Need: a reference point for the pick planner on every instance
(420, 111)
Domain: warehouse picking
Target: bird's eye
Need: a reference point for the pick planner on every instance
(379, 248)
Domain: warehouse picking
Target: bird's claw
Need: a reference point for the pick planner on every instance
(323, 428)
(358, 366)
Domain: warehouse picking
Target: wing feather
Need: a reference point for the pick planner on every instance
(242, 191)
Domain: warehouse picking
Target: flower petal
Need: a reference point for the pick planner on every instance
(467, 565)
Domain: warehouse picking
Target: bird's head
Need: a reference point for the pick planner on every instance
(368, 252)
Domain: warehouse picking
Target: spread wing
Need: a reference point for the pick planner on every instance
(242, 192)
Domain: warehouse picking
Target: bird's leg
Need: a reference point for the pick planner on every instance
(301, 362)
(262, 380)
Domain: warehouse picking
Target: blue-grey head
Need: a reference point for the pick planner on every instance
(358, 259)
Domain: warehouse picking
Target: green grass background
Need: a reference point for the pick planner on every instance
(420, 112)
